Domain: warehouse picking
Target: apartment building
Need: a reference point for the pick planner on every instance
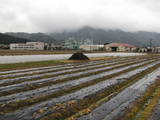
(27, 46)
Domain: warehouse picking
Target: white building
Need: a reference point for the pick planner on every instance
(72, 43)
(142, 50)
(27, 46)
(156, 49)
(91, 47)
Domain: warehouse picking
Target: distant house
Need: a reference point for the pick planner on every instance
(119, 47)
(91, 47)
(50, 46)
(27, 46)
(156, 49)
(150, 49)
(143, 50)
(3, 46)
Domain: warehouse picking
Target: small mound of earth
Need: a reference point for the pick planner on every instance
(78, 56)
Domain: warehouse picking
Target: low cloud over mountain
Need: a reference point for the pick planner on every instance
(59, 15)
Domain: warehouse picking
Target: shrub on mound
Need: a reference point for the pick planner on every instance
(78, 56)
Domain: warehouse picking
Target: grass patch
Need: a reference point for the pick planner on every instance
(35, 52)
(44, 52)
(15, 66)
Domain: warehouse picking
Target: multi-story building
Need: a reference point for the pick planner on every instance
(72, 43)
(27, 46)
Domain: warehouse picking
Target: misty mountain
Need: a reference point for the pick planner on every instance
(41, 37)
(101, 36)
(7, 39)
(98, 36)
(145, 37)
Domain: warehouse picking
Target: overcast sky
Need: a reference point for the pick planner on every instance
(60, 15)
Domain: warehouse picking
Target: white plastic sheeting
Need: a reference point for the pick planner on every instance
(29, 58)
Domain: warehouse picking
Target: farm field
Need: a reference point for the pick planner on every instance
(41, 52)
(34, 52)
(121, 88)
